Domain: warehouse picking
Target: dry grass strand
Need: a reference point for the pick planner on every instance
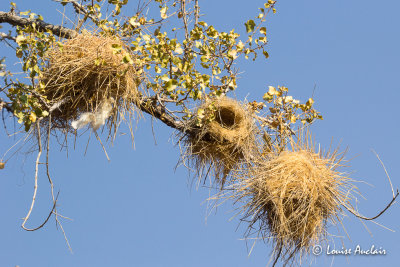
(222, 144)
(290, 197)
(85, 72)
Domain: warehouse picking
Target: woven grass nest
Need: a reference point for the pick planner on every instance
(290, 197)
(220, 145)
(87, 76)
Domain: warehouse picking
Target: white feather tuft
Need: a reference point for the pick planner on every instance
(96, 119)
(84, 119)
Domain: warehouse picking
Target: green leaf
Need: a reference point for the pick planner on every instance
(204, 58)
(310, 102)
(202, 23)
(116, 48)
(250, 25)
(27, 125)
(263, 39)
(98, 61)
(171, 85)
(24, 99)
(212, 32)
(157, 69)
(216, 70)
(127, 59)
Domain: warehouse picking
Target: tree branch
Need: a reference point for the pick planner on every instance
(147, 104)
(4, 36)
(80, 9)
(10, 18)
(5, 105)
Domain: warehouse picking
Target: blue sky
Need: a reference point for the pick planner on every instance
(137, 210)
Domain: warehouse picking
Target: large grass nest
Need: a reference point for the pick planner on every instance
(221, 143)
(92, 75)
(290, 197)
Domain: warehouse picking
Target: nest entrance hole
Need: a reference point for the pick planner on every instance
(227, 118)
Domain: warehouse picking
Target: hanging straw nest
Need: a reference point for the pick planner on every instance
(90, 75)
(289, 198)
(222, 143)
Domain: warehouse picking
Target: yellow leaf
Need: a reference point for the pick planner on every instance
(293, 118)
(288, 99)
(233, 54)
(267, 97)
(20, 39)
(240, 46)
(200, 113)
(32, 117)
(146, 37)
(165, 78)
(163, 12)
(198, 44)
(133, 22)
(178, 50)
(272, 90)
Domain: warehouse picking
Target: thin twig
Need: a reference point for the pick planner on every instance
(4, 36)
(36, 186)
(196, 12)
(355, 213)
(65, 237)
(47, 167)
(277, 256)
(384, 168)
(104, 149)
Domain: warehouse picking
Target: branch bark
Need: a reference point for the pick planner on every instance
(149, 106)
(4, 36)
(146, 104)
(14, 20)
(5, 105)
